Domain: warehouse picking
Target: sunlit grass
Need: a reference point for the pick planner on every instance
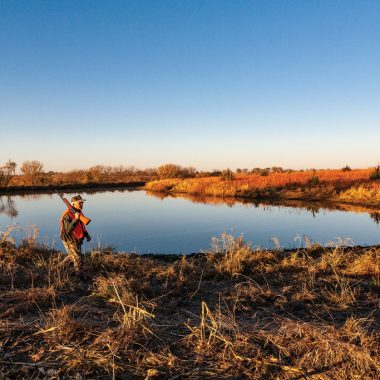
(352, 186)
(231, 311)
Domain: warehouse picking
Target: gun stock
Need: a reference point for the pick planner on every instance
(84, 220)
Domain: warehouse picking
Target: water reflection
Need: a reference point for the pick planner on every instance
(34, 197)
(8, 202)
(8, 206)
(375, 216)
(294, 206)
(136, 221)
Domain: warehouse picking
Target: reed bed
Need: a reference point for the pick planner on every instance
(230, 312)
(354, 186)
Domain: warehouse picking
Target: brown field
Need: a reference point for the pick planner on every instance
(229, 313)
(352, 186)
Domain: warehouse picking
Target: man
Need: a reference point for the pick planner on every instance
(73, 231)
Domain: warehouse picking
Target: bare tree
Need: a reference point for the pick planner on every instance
(175, 171)
(228, 175)
(11, 166)
(169, 171)
(7, 172)
(32, 169)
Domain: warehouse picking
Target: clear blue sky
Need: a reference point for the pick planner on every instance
(206, 83)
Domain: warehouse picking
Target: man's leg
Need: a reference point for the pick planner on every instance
(73, 252)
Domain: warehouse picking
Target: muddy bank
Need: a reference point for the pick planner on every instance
(227, 313)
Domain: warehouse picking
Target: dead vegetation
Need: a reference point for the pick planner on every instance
(231, 312)
(352, 187)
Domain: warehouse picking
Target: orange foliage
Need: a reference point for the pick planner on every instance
(247, 185)
(330, 177)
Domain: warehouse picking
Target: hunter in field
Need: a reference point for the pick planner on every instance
(73, 230)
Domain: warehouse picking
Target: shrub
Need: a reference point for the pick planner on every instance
(375, 175)
(228, 175)
(314, 180)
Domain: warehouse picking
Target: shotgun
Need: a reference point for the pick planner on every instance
(72, 210)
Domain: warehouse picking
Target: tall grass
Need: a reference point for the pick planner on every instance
(321, 184)
(230, 312)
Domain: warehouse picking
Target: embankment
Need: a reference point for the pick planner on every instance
(232, 312)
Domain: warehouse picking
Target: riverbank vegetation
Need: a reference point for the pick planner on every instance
(32, 176)
(354, 186)
(351, 186)
(230, 312)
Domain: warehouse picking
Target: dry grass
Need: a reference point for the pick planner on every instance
(353, 187)
(230, 312)
(369, 195)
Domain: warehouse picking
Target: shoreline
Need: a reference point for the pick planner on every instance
(224, 313)
(279, 197)
(16, 190)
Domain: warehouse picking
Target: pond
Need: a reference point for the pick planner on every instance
(136, 221)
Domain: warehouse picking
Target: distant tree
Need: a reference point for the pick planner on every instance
(346, 169)
(175, 171)
(11, 166)
(216, 173)
(150, 172)
(256, 171)
(238, 170)
(188, 172)
(314, 179)
(32, 169)
(130, 170)
(7, 172)
(169, 171)
(375, 175)
(277, 169)
(227, 175)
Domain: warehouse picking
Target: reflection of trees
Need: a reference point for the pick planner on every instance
(196, 198)
(158, 195)
(33, 197)
(294, 205)
(375, 216)
(8, 206)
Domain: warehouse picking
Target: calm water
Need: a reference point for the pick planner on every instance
(142, 223)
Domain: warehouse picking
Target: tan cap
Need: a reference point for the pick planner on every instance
(77, 198)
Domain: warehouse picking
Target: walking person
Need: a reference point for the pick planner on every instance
(73, 231)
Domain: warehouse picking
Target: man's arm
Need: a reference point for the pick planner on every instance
(87, 236)
(69, 224)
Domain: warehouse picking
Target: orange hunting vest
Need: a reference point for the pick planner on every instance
(79, 229)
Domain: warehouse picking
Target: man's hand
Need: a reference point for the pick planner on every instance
(77, 215)
(88, 238)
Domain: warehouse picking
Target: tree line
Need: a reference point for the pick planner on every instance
(32, 173)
